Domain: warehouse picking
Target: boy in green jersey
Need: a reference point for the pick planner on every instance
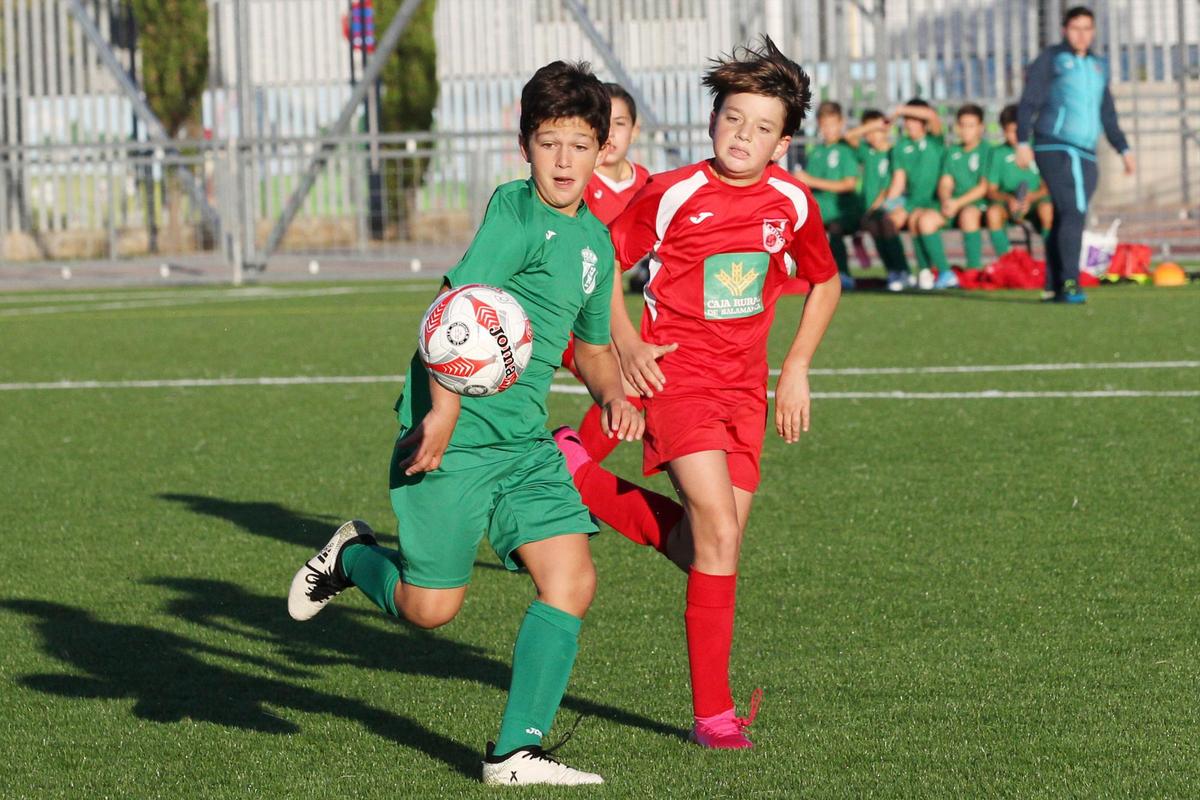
(1013, 191)
(961, 190)
(832, 174)
(916, 169)
(463, 466)
(873, 142)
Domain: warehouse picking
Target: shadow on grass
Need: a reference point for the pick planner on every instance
(170, 678)
(273, 521)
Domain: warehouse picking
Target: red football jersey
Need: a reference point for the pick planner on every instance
(719, 257)
(606, 199)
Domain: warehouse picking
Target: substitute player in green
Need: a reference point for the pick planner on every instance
(916, 169)
(832, 174)
(1012, 191)
(874, 147)
(961, 191)
(463, 467)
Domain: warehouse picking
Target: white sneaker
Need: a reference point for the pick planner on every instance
(925, 280)
(895, 282)
(321, 579)
(529, 765)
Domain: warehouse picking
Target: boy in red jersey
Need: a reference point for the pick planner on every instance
(614, 183)
(723, 236)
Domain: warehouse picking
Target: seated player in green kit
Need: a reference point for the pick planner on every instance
(832, 174)
(466, 466)
(916, 169)
(872, 139)
(1013, 191)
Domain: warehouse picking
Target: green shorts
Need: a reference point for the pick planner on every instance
(516, 494)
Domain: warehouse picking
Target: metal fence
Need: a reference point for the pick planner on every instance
(82, 177)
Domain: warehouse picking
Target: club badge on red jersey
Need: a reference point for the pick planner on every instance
(772, 230)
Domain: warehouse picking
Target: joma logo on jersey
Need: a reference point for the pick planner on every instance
(589, 269)
(733, 284)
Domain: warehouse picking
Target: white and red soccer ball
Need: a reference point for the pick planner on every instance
(475, 340)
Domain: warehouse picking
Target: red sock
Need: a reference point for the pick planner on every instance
(592, 435)
(709, 622)
(638, 514)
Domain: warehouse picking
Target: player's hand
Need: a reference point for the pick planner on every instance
(639, 365)
(1024, 156)
(800, 175)
(1014, 207)
(622, 420)
(949, 211)
(1130, 162)
(792, 404)
(428, 441)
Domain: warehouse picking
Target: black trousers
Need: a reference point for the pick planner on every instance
(1070, 175)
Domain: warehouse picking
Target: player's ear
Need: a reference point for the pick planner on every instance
(781, 147)
(524, 148)
(712, 123)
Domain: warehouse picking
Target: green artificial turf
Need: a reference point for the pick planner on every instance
(941, 598)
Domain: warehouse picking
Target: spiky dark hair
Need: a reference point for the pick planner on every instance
(561, 90)
(763, 71)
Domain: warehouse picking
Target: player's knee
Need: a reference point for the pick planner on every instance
(968, 220)
(433, 613)
(995, 217)
(571, 590)
(929, 223)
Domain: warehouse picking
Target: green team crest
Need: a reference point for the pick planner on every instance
(733, 284)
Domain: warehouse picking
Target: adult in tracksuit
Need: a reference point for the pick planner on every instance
(1065, 103)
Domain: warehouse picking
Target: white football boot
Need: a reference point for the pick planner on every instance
(529, 765)
(321, 579)
(925, 280)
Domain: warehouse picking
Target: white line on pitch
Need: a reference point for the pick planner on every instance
(189, 298)
(309, 380)
(977, 368)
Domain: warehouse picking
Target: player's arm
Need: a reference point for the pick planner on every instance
(836, 186)
(793, 401)
(601, 374)
(898, 184)
(932, 119)
(1038, 77)
(430, 438)
(855, 135)
(638, 358)
(975, 193)
(1113, 132)
(945, 195)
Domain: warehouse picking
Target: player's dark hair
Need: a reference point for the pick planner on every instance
(1077, 11)
(829, 108)
(970, 110)
(916, 101)
(618, 92)
(560, 91)
(763, 71)
(872, 114)
(1008, 115)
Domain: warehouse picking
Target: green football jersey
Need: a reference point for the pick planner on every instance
(560, 269)
(922, 165)
(1005, 175)
(966, 167)
(834, 162)
(876, 172)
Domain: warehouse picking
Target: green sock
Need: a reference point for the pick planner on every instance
(1000, 242)
(837, 245)
(935, 252)
(542, 660)
(891, 251)
(918, 243)
(375, 571)
(973, 244)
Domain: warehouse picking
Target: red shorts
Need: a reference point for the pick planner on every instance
(568, 358)
(733, 420)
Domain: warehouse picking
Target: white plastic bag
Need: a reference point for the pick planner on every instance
(1096, 253)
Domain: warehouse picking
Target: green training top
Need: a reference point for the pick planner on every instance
(560, 269)
(1005, 175)
(967, 167)
(834, 162)
(876, 173)
(922, 165)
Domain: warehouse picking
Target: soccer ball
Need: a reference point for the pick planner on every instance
(476, 340)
